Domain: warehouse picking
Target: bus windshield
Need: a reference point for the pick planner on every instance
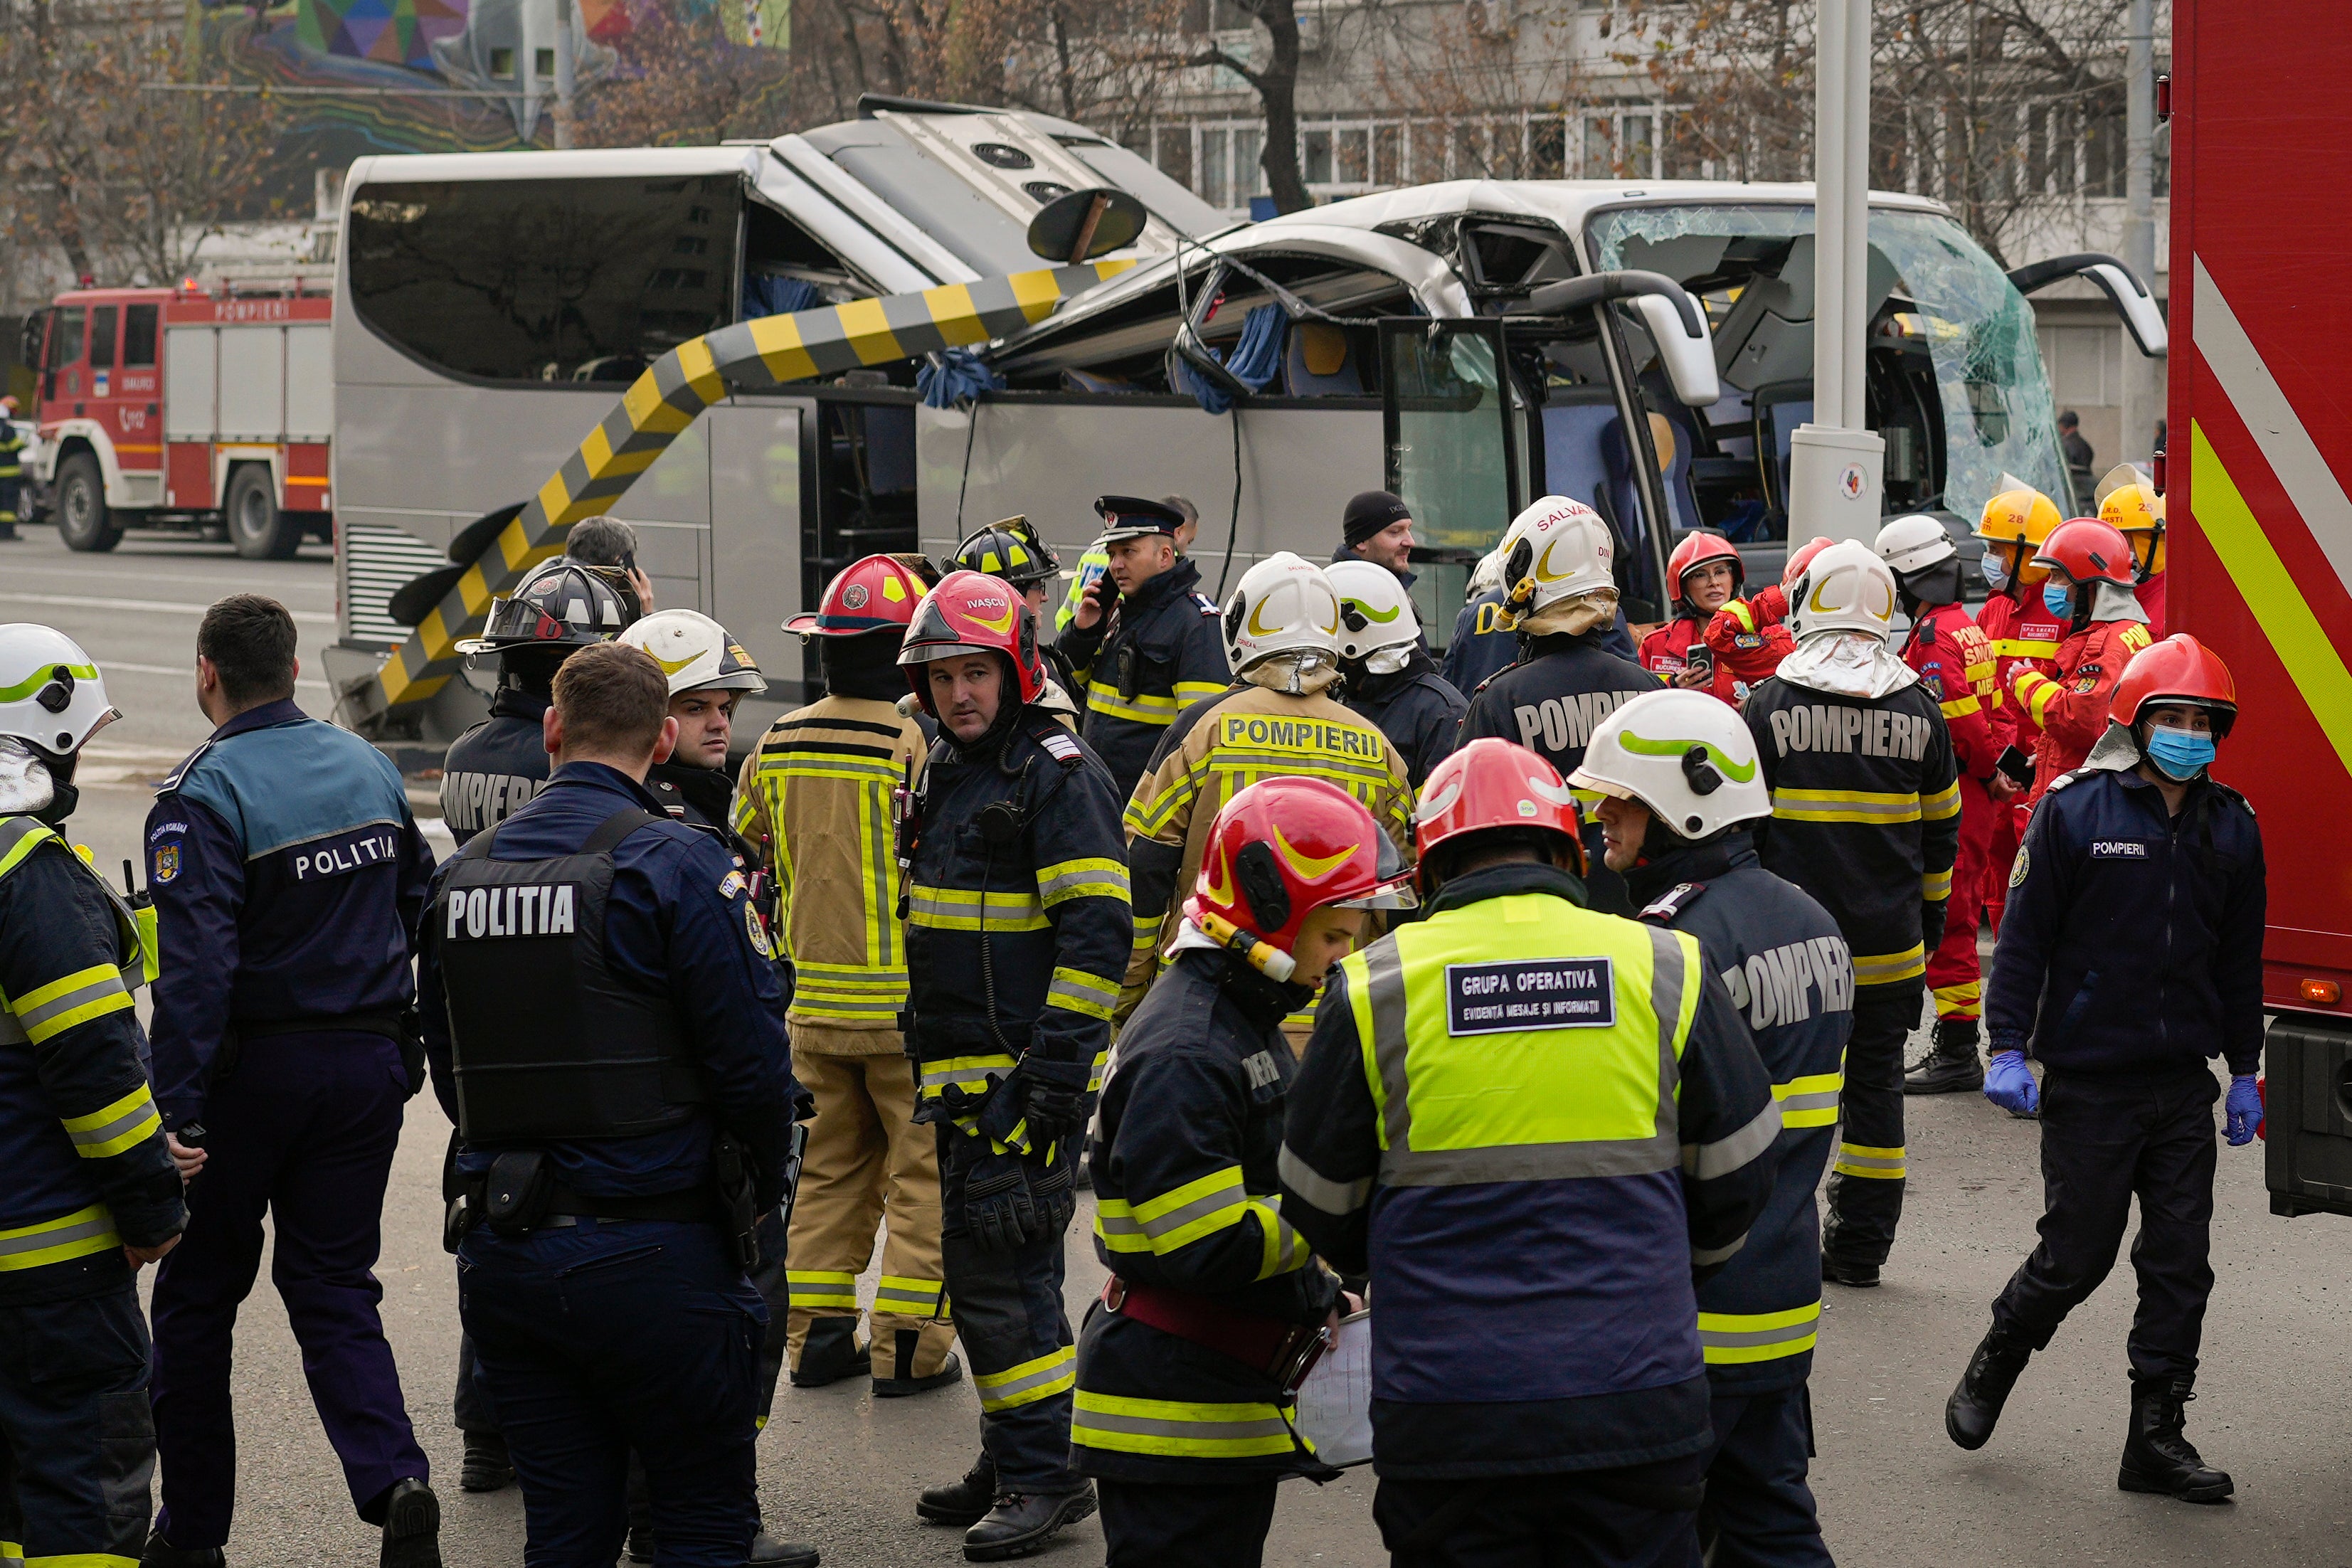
(1937, 302)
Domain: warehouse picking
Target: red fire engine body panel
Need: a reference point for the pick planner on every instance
(2260, 446)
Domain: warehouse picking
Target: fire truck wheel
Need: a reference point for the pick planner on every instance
(84, 522)
(258, 530)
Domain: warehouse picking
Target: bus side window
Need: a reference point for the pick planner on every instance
(138, 336)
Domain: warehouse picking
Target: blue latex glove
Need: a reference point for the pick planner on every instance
(2008, 1083)
(2244, 1109)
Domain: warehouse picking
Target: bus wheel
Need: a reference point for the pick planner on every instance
(83, 521)
(258, 530)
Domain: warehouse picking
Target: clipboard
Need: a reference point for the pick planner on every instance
(1335, 1402)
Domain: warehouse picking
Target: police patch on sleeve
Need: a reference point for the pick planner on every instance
(757, 932)
(2018, 868)
(1530, 994)
(167, 864)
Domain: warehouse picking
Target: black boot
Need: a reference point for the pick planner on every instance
(412, 1527)
(488, 1466)
(161, 1553)
(831, 1352)
(1851, 1272)
(903, 1381)
(1952, 1065)
(1974, 1407)
(1022, 1523)
(2157, 1455)
(962, 1503)
(767, 1552)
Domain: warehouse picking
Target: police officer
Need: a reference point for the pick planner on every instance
(1679, 784)
(12, 467)
(497, 766)
(1016, 879)
(816, 804)
(1537, 1187)
(1562, 600)
(2089, 591)
(1011, 549)
(2133, 951)
(1095, 559)
(1956, 664)
(604, 1215)
(288, 875)
(90, 1196)
(1181, 1392)
(1387, 674)
(1144, 640)
(1281, 637)
(1866, 819)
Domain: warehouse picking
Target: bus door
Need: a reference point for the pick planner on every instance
(1452, 435)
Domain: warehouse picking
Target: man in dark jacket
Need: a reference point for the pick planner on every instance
(1680, 784)
(1377, 527)
(1387, 675)
(1144, 641)
(2131, 953)
(1180, 1397)
(1483, 1123)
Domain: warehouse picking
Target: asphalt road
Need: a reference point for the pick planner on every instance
(841, 1470)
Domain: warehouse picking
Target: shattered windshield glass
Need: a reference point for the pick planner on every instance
(1996, 412)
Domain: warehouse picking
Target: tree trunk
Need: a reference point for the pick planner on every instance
(1277, 88)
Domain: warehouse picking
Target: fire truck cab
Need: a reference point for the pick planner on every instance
(186, 408)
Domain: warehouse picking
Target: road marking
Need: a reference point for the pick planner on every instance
(232, 581)
(161, 606)
(127, 667)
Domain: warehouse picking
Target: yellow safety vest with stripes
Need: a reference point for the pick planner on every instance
(29, 1019)
(816, 799)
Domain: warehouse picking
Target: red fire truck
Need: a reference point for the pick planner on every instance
(188, 408)
(2260, 526)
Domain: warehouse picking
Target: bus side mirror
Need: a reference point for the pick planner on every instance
(1689, 360)
(2115, 280)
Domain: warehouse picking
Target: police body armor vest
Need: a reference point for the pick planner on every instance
(547, 1041)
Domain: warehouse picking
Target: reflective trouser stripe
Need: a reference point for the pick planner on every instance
(1888, 968)
(108, 1131)
(1180, 1430)
(814, 1287)
(904, 1298)
(1960, 1001)
(1879, 1164)
(1056, 1371)
(1728, 1339)
(60, 1240)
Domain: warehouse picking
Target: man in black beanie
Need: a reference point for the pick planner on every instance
(1377, 527)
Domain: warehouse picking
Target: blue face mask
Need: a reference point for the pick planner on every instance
(2181, 754)
(2059, 601)
(1996, 575)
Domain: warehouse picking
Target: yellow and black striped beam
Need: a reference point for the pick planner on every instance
(749, 356)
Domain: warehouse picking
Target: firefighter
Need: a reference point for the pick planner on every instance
(708, 673)
(1680, 786)
(12, 467)
(91, 1196)
(492, 770)
(816, 803)
(1480, 645)
(1563, 602)
(2024, 635)
(1144, 640)
(1282, 631)
(288, 877)
(2129, 504)
(1018, 933)
(1010, 548)
(1955, 664)
(1386, 673)
(2088, 590)
(1865, 818)
(604, 1221)
(1537, 1196)
(2133, 951)
(1181, 1396)
(1708, 576)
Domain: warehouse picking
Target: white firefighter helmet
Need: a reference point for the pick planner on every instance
(51, 694)
(1283, 605)
(1685, 755)
(1846, 588)
(695, 652)
(1914, 544)
(1374, 613)
(1555, 550)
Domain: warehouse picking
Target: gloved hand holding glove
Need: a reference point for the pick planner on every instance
(2244, 1109)
(997, 1206)
(2008, 1083)
(1047, 1090)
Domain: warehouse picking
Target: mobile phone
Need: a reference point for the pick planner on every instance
(2016, 765)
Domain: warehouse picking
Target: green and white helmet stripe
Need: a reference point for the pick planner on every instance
(1685, 755)
(51, 694)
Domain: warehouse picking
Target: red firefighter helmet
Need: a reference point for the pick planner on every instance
(1279, 851)
(2087, 551)
(1494, 783)
(873, 595)
(1800, 558)
(972, 612)
(1697, 550)
(2177, 669)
